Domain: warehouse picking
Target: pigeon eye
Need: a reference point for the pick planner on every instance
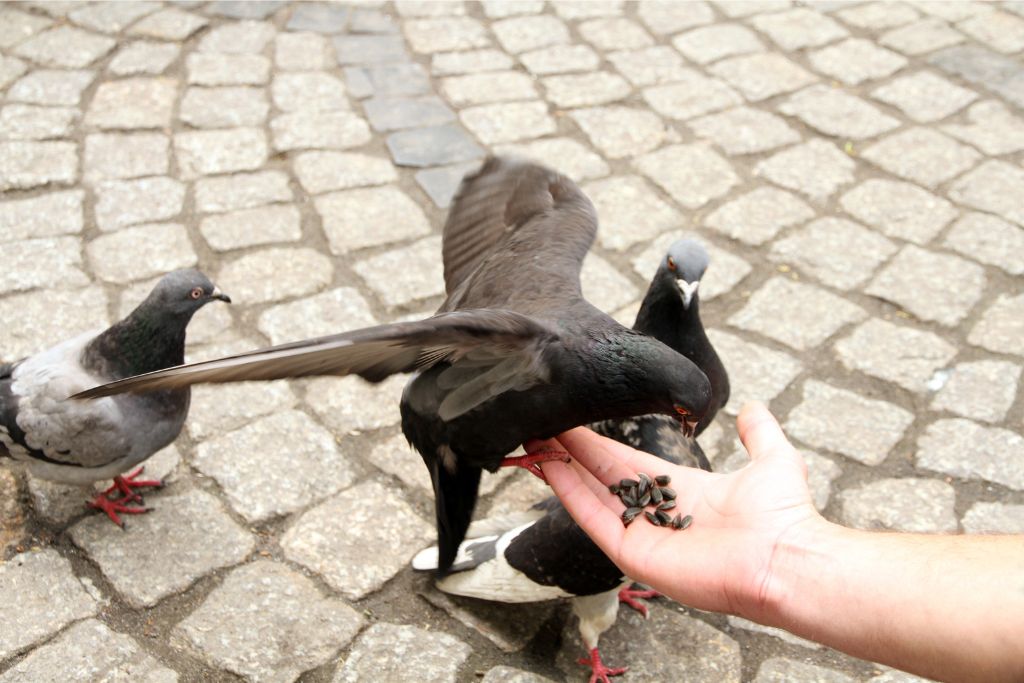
(196, 292)
(671, 263)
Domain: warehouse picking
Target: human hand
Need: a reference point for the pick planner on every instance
(723, 561)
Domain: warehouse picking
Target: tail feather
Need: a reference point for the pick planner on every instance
(455, 494)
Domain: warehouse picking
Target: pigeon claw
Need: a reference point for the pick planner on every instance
(628, 597)
(531, 461)
(600, 672)
(127, 484)
(113, 507)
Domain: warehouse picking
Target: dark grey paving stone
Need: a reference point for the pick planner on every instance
(991, 70)
(387, 80)
(322, 18)
(440, 183)
(432, 146)
(369, 49)
(396, 113)
(244, 9)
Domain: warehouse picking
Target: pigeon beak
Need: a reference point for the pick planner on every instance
(688, 290)
(688, 421)
(220, 296)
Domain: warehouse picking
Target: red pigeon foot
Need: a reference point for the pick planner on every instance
(531, 461)
(628, 596)
(600, 672)
(127, 483)
(112, 507)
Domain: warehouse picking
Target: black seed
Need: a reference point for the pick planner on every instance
(645, 483)
(629, 500)
(663, 517)
(628, 483)
(645, 500)
(677, 522)
(667, 493)
(687, 521)
(667, 505)
(629, 514)
(663, 480)
(652, 518)
(655, 495)
(615, 488)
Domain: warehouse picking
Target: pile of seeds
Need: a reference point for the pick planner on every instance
(642, 492)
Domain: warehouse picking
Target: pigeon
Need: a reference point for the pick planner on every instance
(514, 353)
(543, 554)
(78, 443)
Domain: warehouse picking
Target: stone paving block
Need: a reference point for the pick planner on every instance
(988, 239)
(922, 155)
(692, 174)
(470, 61)
(51, 87)
(670, 646)
(404, 275)
(693, 95)
(614, 33)
(495, 86)
(324, 18)
(432, 146)
(921, 37)
(440, 183)
(604, 286)
(982, 390)
(41, 595)
(218, 69)
(240, 37)
(899, 209)
(209, 152)
(837, 252)
(128, 202)
(275, 274)
(30, 122)
(583, 90)
(646, 66)
(349, 405)
(308, 91)
(331, 130)
(301, 52)
(267, 622)
(878, 15)
(620, 131)
(252, 227)
(964, 449)
(390, 651)
(112, 17)
(397, 458)
(519, 495)
(833, 419)
(565, 154)
(89, 649)
(189, 531)
(371, 21)
(815, 168)
(507, 674)
(225, 107)
(953, 11)
(821, 472)
(520, 34)
(320, 315)
(1001, 326)
(799, 315)
(726, 271)
(324, 171)
(220, 408)
(140, 251)
(508, 121)
(837, 113)
(924, 96)
(36, 320)
(560, 59)
(241, 191)
(386, 80)
(65, 47)
(397, 113)
(763, 75)
(799, 28)
(986, 68)
(630, 211)
(332, 538)
(11, 68)
(993, 128)
(17, 26)
(499, 9)
(744, 130)
(666, 18)
(758, 216)
(133, 103)
(169, 24)
(143, 57)
(241, 9)
(932, 286)
(47, 215)
(999, 30)
(993, 186)
(509, 626)
(585, 9)
(27, 164)
(710, 43)
(117, 156)
(994, 518)
(779, 669)
(856, 60)
(427, 8)
(756, 373)
(903, 355)
(369, 49)
(275, 465)
(740, 622)
(911, 505)
(364, 217)
(442, 34)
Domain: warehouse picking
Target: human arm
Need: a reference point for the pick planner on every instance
(946, 607)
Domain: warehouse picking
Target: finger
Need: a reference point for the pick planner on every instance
(609, 460)
(541, 445)
(600, 522)
(760, 432)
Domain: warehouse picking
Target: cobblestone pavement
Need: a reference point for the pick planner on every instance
(854, 168)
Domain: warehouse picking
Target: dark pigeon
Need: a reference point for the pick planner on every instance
(77, 443)
(543, 554)
(514, 353)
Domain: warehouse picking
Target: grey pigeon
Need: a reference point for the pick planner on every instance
(514, 353)
(542, 554)
(74, 442)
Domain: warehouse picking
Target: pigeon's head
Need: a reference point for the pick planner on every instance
(183, 292)
(684, 389)
(685, 263)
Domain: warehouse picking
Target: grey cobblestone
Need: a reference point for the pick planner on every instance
(924, 97)
(838, 252)
(470, 61)
(219, 151)
(744, 130)
(142, 251)
(127, 202)
(921, 37)
(169, 24)
(36, 320)
(690, 95)
(994, 518)
(560, 59)
(922, 155)
(904, 355)
(710, 43)
(759, 215)
(390, 650)
(349, 405)
(585, 90)
(54, 213)
(572, 158)
(65, 46)
(815, 168)
(630, 211)
(962, 448)
(240, 191)
(992, 187)
(143, 57)
(508, 121)
(836, 113)
(763, 75)
(899, 209)
(51, 87)
(856, 60)
(395, 215)
(981, 390)
(29, 122)
(756, 373)
(646, 66)
(692, 174)
(275, 274)
(317, 316)
(217, 69)
(620, 131)
(799, 28)
(988, 239)
(1001, 326)
(993, 128)
(913, 504)
(252, 227)
(324, 171)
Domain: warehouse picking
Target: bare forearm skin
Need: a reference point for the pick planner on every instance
(949, 608)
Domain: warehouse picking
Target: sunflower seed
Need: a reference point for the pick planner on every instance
(663, 480)
(666, 505)
(645, 500)
(628, 483)
(667, 493)
(655, 495)
(663, 517)
(687, 521)
(652, 518)
(615, 488)
(629, 514)
(629, 500)
(645, 483)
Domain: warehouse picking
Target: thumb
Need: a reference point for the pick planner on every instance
(761, 434)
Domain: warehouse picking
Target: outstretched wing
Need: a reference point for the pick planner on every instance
(499, 201)
(373, 353)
